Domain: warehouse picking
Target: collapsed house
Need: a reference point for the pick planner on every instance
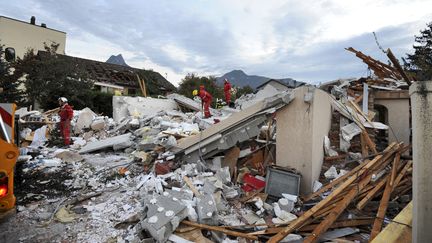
(109, 77)
(285, 165)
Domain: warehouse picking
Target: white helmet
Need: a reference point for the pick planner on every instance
(63, 99)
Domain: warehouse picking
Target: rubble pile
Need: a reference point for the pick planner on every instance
(157, 171)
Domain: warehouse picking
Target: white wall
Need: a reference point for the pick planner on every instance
(23, 36)
(301, 128)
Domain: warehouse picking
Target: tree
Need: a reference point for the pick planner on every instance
(10, 81)
(192, 82)
(49, 76)
(244, 90)
(419, 64)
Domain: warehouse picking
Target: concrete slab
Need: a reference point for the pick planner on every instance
(124, 106)
(164, 214)
(106, 143)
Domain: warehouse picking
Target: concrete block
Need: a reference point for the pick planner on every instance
(117, 141)
(146, 132)
(85, 120)
(146, 145)
(164, 213)
(98, 125)
(124, 106)
(207, 210)
(69, 156)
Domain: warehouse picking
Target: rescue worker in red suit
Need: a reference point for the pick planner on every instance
(227, 91)
(206, 99)
(66, 115)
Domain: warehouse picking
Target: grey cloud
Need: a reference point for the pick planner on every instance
(146, 28)
(329, 61)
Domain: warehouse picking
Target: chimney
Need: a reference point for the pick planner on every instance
(33, 20)
(43, 25)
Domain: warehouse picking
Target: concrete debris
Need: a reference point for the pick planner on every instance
(98, 125)
(85, 120)
(63, 215)
(139, 107)
(331, 173)
(69, 156)
(117, 142)
(137, 176)
(39, 137)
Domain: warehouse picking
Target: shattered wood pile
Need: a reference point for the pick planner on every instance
(355, 188)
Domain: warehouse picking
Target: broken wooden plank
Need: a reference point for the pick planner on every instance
(342, 178)
(311, 227)
(398, 67)
(358, 109)
(358, 99)
(339, 208)
(399, 230)
(364, 146)
(402, 173)
(300, 220)
(394, 169)
(191, 186)
(220, 229)
(372, 193)
(371, 145)
(376, 228)
(335, 158)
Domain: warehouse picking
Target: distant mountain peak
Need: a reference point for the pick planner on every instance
(117, 60)
(240, 79)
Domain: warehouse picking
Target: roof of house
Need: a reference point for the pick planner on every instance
(288, 83)
(24, 22)
(117, 74)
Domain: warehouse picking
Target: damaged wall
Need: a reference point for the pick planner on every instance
(301, 128)
(398, 110)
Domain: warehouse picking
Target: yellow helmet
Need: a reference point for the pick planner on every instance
(195, 92)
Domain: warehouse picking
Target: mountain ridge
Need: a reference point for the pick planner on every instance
(239, 78)
(118, 60)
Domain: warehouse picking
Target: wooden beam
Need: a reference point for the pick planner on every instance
(398, 67)
(394, 169)
(191, 186)
(339, 208)
(372, 193)
(358, 109)
(376, 228)
(310, 227)
(371, 145)
(399, 230)
(364, 146)
(144, 87)
(402, 173)
(358, 99)
(342, 178)
(300, 220)
(220, 229)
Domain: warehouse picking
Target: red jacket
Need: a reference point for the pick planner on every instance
(227, 87)
(66, 112)
(205, 96)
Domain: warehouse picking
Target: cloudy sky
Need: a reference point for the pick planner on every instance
(304, 40)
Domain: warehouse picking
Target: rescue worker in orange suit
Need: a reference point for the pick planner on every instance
(66, 115)
(227, 91)
(206, 99)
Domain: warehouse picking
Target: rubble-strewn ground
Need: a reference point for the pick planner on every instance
(127, 179)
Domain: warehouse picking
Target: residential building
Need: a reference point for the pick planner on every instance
(23, 36)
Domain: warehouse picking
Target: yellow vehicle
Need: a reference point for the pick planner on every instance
(8, 151)
(8, 155)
